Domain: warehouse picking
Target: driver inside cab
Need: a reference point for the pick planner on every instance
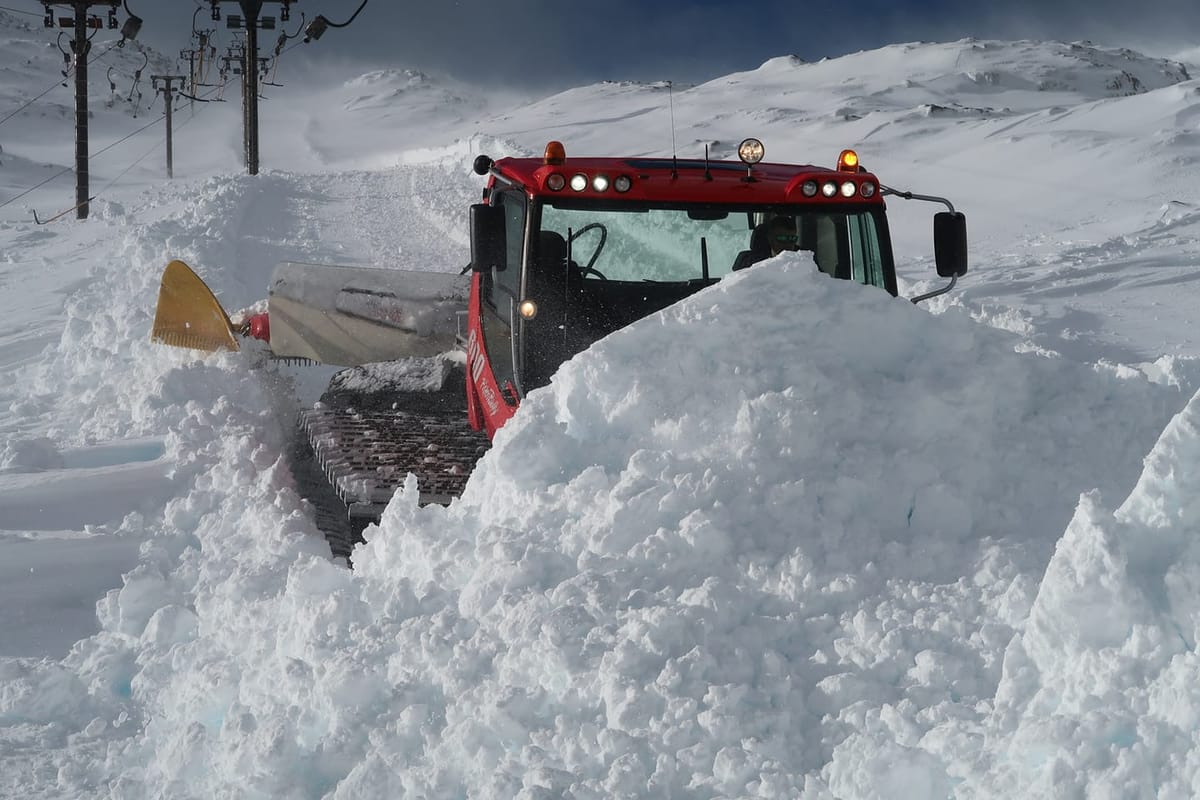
(782, 235)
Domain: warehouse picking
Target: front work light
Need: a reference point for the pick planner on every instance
(528, 309)
(751, 151)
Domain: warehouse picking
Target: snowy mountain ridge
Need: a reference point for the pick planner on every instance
(1080, 69)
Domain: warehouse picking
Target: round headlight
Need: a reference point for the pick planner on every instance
(579, 182)
(751, 151)
(527, 309)
(556, 182)
(600, 183)
(867, 189)
(829, 189)
(622, 183)
(849, 189)
(809, 188)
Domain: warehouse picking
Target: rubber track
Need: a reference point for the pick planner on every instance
(329, 512)
(367, 454)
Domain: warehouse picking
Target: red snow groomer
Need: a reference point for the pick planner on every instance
(567, 250)
(564, 250)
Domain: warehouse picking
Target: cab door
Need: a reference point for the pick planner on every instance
(499, 294)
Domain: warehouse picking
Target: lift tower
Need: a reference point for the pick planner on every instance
(252, 20)
(168, 93)
(80, 47)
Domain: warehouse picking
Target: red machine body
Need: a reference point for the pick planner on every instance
(689, 180)
(532, 306)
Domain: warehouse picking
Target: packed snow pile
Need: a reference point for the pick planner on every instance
(733, 550)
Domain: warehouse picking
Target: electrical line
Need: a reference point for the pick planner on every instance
(40, 185)
(125, 171)
(289, 49)
(71, 169)
(129, 136)
(103, 53)
(52, 87)
(122, 173)
(157, 145)
(20, 11)
(110, 183)
(31, 102)
(347, 22)
(316, 29)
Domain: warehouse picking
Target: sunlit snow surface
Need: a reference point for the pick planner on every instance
(790, 538)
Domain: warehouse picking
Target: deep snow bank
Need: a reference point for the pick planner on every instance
(772, 542)
(1100, 688)
(775, 540)
(726, 537)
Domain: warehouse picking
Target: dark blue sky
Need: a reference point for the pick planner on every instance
(555, 43)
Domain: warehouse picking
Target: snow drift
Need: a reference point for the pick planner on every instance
(733, 550)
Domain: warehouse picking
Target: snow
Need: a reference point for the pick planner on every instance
(791, 537)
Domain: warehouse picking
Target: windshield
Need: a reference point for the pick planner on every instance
(686, 244)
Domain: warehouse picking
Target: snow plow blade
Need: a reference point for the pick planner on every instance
(188, 314)
(358, 315)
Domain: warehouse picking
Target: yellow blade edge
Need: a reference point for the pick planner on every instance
(188, 314)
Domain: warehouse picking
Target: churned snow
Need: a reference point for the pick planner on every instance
(791, 537)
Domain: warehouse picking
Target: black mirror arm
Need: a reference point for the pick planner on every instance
(887, 190)
(919, 298)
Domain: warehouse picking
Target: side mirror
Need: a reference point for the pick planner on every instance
(950, 243)
(488, 241)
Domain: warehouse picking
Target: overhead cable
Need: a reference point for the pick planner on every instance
(20, 11)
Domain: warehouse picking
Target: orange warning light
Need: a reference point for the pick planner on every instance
(555, 153)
